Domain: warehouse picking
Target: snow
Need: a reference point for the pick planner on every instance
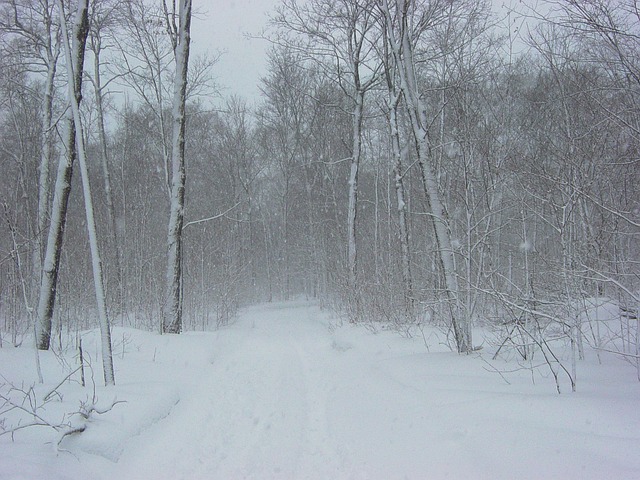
(525, 246)
(288, 392)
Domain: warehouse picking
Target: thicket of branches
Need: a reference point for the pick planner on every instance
(531, 140)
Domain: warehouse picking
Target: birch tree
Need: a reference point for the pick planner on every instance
(398, 20)
(180, 38)
(58, 217)
(103, 17)
(51, 51)
(394, 97)
(37, 33)
(75, 66)
(464, 156)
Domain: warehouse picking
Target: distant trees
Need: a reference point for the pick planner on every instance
(402, 164)
(462, 112)
(339, 37)
(284, 123)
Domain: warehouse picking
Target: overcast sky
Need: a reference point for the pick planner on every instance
(221, 25)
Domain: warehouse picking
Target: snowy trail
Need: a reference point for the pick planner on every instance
(258, 411)
(280, 394)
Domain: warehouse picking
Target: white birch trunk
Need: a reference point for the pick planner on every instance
(62, 189)
(352, 212)
(75, 62)
(402, 50)
(172, 311)
(46, 151)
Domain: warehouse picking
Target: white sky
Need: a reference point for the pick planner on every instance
(221, 25)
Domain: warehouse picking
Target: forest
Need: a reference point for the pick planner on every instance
(407, 163)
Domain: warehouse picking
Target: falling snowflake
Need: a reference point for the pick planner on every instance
(525, 246)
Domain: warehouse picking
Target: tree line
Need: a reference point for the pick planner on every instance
(407, 161)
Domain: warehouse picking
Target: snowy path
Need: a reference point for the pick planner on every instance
(280, 394)
(258, 411)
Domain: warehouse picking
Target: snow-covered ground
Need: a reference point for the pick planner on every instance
(284, 393)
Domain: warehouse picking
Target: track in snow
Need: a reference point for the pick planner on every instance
(258, 411)
(281, 395)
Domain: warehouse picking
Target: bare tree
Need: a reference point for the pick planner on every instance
(38, 47)
(51, 263)
(102, 23)
(180, 38)
(145, 63)
(74, 60)
(284, 125)
(398, 22)
(394, 97)
(340, 36)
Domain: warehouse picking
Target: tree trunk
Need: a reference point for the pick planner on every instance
(51, 264)
(403, 229)
(75, 67)
(44, 185)
(352, 212)
(461, 327)
(172, 312)
(104, 160)
(402, 50)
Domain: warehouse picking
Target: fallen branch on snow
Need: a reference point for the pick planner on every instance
(25, 403)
